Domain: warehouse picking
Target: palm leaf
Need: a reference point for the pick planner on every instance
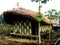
(39, 17)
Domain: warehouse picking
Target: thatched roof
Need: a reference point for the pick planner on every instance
(49, 21)
(22, 11)
(28, 13)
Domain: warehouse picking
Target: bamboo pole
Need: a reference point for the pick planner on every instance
(50, 34)
(21, 30)
(20, 27)
(39, 25)
(25, 33)
(30, 29)
(39, 33)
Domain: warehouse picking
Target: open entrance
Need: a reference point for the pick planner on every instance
(34, 27)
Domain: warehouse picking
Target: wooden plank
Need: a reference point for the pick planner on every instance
(22, 40)
(24, 35)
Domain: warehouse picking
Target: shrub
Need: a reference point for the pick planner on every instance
(5, 29)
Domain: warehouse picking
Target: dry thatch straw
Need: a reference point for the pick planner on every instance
(28, 13)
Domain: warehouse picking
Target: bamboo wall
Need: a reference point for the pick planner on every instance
(45, 28)
(22, 28)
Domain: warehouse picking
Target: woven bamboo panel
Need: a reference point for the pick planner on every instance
(23, 28)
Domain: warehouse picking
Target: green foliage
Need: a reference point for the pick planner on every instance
(34, 0)
(1, 19)
(42, 1)
(39, 17)
(53, 14)
(5, 29)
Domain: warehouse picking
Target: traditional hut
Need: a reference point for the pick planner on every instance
(25, 23)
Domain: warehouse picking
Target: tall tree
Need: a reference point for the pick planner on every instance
(42, 1)
(53, 15)
(39, 16)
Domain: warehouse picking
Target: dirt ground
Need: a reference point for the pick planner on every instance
(16, 41)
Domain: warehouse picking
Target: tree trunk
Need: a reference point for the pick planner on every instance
(39, 33)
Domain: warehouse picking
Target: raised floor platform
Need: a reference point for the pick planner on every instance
(24, 36)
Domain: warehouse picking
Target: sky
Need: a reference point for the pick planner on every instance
(10, 4)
